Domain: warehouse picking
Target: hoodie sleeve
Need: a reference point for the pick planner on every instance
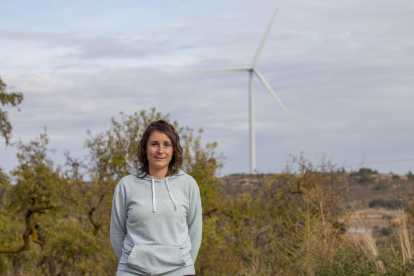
(118, 223)
(195, 221)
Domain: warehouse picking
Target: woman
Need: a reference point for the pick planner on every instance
(156, 219)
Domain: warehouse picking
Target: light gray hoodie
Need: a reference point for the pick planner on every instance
(156, 225)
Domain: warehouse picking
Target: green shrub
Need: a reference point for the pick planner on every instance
(388, 203)
(395, 177)
(380, 185)
(363, 171)
(346, 264)
(386, 231)
(363, 176)
(410, 176)
(356, 263)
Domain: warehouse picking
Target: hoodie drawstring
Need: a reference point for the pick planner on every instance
(172, 199)
(154, 206)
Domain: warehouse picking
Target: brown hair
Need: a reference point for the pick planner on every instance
(169, 130)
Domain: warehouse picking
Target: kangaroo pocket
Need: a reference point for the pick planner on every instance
(155, 259)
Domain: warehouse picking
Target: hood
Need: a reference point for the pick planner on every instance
(152, 179)
(180, 173)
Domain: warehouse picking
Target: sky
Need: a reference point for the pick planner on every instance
(343, 69)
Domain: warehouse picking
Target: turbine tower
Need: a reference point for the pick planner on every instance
(253, 71)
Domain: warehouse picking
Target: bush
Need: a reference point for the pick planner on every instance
(410, 176)
(346, 264)
(363, 171)
(388, 203)
(380, 185)
(363, 175)
(350, 263)
(386, 231)
(395, 177)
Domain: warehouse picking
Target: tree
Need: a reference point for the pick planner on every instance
(55, 220)
(32, 195)
(28, 204)
(410, 175)
(42, 220)
(112, 155)
(13, 99)
(364, 175)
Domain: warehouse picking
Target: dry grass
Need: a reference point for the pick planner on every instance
(404, 238)
(366, 242)
(309, 241)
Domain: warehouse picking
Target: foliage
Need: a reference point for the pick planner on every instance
(13, 99)
(278, 226)
(112, 155)
(410, 176)
(363, 176)
(349, 263)
(380, 185)
(388, 203)
(30, 203)
(55, 220)
(65, 213)
(298, 216)
(363, 171)
(346, 263)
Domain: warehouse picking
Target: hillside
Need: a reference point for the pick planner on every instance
(361, 191)
(374, 197)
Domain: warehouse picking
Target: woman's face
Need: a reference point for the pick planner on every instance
(159, 152)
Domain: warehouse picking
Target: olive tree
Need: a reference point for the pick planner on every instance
(13, 99)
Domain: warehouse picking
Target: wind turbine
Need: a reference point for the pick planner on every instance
(253, 71)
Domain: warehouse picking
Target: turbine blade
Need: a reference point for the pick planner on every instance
(237, 69)
(266, 84)
(260, 48)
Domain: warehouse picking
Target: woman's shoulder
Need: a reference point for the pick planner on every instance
(132, 179)
(185, 178)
